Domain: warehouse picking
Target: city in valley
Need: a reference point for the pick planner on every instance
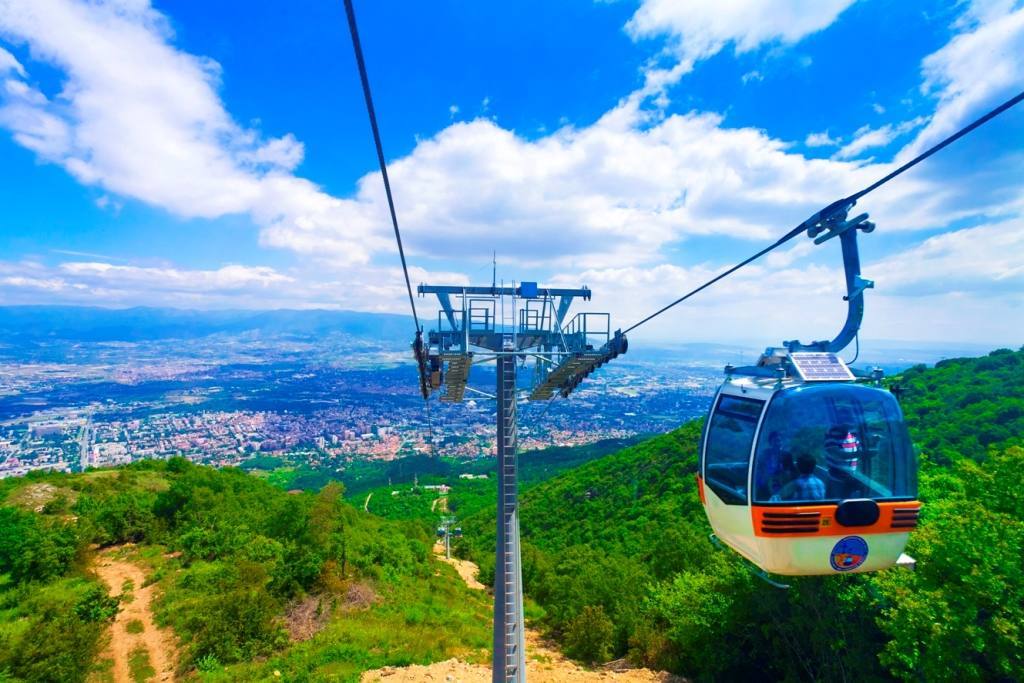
(84, 388)
(322, 404)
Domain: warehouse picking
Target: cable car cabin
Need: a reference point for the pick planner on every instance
(804, 477)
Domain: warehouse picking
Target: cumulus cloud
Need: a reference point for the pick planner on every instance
(978, 68)
(965, 285)
(821, 140)
(982, 259)
(139, 118)
(232, 285)
(698, 29)
(9, 63)
(866, 137)
(600, 204)
(142, 119)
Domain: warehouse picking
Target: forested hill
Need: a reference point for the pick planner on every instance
(617, 553)
(257, 584)
(963, 406)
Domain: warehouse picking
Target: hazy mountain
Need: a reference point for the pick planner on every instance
(88, 324)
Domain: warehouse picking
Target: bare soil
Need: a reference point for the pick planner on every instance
(544, 663)
(125, 578)
(35, 496)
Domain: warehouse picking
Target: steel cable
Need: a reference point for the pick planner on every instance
(361, 63)
(848, 201)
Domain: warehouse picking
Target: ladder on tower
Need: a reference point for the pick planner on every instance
(509, 632)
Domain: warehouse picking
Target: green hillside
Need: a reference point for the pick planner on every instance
(363, 476)
(617, 553)
(260, 584)
(232, 557)
(402, 500)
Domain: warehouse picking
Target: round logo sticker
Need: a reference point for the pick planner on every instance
(849, 553)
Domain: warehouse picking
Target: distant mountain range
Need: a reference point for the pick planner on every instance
(92, 324)
(32, 325)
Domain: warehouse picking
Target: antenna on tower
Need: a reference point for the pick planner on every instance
(494, 269)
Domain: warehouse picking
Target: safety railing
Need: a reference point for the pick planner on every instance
(588, 331)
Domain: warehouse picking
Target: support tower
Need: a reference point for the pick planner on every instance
(508, 326)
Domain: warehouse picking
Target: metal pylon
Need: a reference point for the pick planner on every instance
(509, 646)
(508, 325)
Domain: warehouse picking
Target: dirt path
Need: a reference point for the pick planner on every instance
(544, 663)
(125, 578)
(366, 505)
(443, 501)
(466, 569)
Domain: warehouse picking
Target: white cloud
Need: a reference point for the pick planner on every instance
(978, 68)
(99, 282)
(600, 204)
(821, 140)
(866, 137)
(966, 285)
(8, 63)
(49, 285)
(283, 153)
(984, 259)
(226, 278)
(699, 29)
(141, 119)
(615, 192)
(754, 75)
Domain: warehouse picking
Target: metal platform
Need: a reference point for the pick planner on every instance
(456, 376)
(562, 376)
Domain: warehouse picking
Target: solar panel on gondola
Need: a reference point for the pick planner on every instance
(815, 366)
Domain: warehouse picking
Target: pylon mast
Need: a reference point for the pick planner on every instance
(503, 325)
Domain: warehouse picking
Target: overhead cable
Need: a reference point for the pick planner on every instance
(357, 46)
(848, 201)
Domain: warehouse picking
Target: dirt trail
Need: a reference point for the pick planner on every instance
(136, 606)
(466, 569)
(544, 663)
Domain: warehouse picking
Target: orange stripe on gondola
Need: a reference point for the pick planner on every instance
(700, 490)
(795, 521)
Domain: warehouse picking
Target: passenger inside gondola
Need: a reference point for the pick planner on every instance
(776, 468)
(843, 453)
(855, 434)
(806, 485)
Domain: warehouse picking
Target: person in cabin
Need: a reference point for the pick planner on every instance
(774, 469)
(842, 456)
(807, 485)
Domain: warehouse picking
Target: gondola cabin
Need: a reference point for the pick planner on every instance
(805, 471)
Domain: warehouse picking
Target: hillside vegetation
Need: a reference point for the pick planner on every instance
(235, 560)
(362, 476)
(260, 584)
(402, 500)
(617, 553)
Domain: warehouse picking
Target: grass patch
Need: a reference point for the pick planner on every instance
(139, 665)
(134, 626)
(419, 622)
(102, 671)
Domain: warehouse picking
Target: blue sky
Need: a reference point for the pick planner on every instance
(218, 155)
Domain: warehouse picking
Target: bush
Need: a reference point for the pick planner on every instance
(589, 635)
